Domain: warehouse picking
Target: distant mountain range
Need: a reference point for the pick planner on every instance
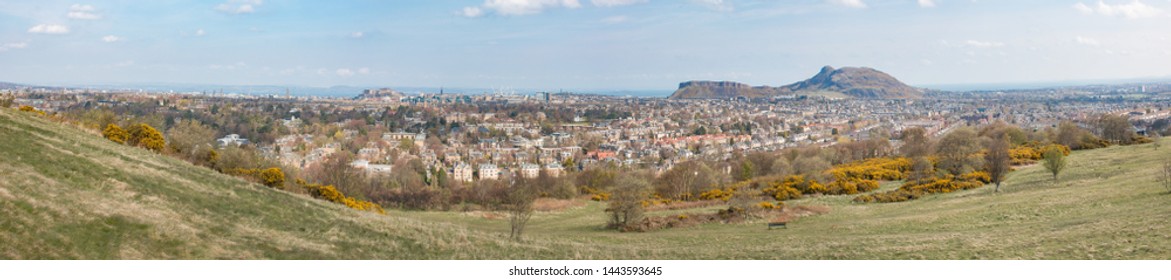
(855, 82)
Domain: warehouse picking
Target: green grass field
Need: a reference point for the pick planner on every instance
(69, 194)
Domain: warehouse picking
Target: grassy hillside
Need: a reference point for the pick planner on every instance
(67, 194)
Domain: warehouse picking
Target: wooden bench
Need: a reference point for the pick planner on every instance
(776, 224)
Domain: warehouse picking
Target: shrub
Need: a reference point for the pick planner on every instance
(843, 187)
(1021, 155)
(331, 194)
(143, 135)
(6, 100)
(26, 108)
(1063, 148)
(601, 196)
(915, 189)
(978, 176)
(115, 133)
(770, 205)
(272, 177)
(782, 191)
(883, 169)
(721, 194)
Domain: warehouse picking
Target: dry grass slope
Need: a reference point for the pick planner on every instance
(68, 194)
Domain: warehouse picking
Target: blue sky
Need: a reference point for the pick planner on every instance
(577, 44)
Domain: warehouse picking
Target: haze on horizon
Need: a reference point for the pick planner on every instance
(578, 44)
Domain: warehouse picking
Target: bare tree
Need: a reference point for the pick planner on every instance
(1116, 128)
(625, 205)
(686, 180)
(997, 160)
(1069, 134)
(1054, 161)
(813, 168)
(519, 204)
(781, 167)
(190, 139)
(957, 150)
(921, 169)
(915, 142)
(1156, 139)
(1165, 175)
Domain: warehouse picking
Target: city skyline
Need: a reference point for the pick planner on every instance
(577, 44)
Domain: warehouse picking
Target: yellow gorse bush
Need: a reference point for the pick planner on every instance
(330, 193)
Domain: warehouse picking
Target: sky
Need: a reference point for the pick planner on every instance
(577, 44)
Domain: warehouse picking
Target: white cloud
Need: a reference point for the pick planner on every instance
(615, 19)
(81, 8)
(364, 71)
(83, 15)
(1132, 10)
(530, 7)
(615, 3)
(984, 44)
(1083, 8)
(1087, 41)
(111, 39)
(200, 32)
(239, 6)
(13, 46)
(718, 5)
(518, 7)
(78, 11)
(927, 3)
(357, 35)
(344, 72)
(471, 12)
(49, 29)
(238, 65)
(856, 4)
(124, 63)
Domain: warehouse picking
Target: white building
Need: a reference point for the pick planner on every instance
(231, 139)
(489, 171)
(554, 169)
(528, 170)
(462, 172)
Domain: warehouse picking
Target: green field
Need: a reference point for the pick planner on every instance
(69, 194)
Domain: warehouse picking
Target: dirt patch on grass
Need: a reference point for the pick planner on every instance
(485, 214)
(552, 204)
(723, 216)
(791, 214)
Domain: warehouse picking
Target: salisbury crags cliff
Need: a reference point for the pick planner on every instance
(723, 89)
(857, 82)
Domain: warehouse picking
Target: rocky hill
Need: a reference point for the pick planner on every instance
(856, 82)
(723, 89)
(859, 82)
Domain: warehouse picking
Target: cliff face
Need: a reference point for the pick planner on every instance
(857, 82)
(722, 89)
